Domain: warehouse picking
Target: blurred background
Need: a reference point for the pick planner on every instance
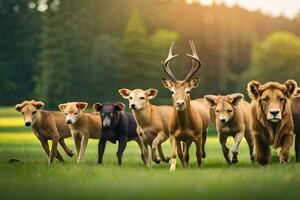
(84, 50)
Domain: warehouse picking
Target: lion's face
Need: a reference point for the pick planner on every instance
(272, 97)
(272, 102)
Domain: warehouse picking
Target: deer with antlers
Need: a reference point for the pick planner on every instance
(190, 118)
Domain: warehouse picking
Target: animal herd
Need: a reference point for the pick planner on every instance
(272, 119)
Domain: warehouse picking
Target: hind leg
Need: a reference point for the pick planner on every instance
(180, 154)
(204, 136)
(154, 148)
(297, 146)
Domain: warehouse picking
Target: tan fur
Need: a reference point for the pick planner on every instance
(46, 125)
(83, 127)
(279, 133)
(295, 106)
(188, 122)
(152, 121)
(232, 119)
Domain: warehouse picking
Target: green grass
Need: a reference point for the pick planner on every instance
(32, 178)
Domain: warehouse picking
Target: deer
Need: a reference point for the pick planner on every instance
(190, 118)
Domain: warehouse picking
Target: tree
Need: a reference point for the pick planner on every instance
(103, 72)
(276, 58)
(53, 79)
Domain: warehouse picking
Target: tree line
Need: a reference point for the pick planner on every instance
(87, 49)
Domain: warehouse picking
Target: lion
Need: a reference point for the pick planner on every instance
(271, 119)
(295, 105)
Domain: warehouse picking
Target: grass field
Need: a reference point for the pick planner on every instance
(32, 178)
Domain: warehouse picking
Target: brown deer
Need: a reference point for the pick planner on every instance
(190, 119)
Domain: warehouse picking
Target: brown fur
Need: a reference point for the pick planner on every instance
(83, 127)
(232, 119)
(295, 105)
(152, 121)
(46, 125)
(187, 125)
(279, 133)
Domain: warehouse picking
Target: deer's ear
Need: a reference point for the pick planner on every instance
(97, 107)
(236, 98)
(62, 106)
(252, 88)
(151, 93)
(211, 99)
(82, 105)
(18, 107)
(194, 82)
(167, 83)
(119, 106)
(39, 105)
(124, 92)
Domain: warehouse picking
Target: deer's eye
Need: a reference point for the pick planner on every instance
(188, 92)
(282, 99)
(130, 98)
(66, 113)
(22, 113)
(217, 111)
(230, 110)
(142, 98)
(75, 113)
(172, 92)
(33, 112)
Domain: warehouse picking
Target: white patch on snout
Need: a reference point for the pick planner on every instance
(273, 118)
(70, 118)
(106, 122)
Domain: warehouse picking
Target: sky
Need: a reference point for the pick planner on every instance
(288, 8)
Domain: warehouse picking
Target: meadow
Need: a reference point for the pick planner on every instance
(33, 178)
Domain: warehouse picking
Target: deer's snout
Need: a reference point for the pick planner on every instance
(180, 105)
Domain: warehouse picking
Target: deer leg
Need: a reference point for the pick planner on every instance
(180, 154)
(154, 149)
(198, 143)
(235, 151)
(186, 155)
(225, 150)
(141, 145)
(174, 153)
(204, 135)
(83, 145)
(53, 152)
(65, 148)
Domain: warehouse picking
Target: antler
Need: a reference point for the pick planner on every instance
(166, 63)
(196, 59)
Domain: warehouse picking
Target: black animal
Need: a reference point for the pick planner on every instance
(118, 125)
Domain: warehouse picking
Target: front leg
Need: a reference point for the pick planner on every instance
(65, 148)
(53, 152)
(101, 149)
(262, 151)
(225, 150)
(284, 155)
(121, 148)
(45, 146)
(198, 142)
(83, 145)
(235, 151)
(156, 142)
(174, 153)
(180, 154)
